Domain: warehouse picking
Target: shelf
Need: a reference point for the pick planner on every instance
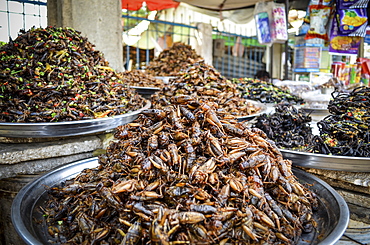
(306, 70)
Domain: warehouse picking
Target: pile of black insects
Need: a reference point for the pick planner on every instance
(265, 92)
(345, 131)
(287, 126)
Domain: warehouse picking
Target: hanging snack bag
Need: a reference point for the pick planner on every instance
(352, 22)
(346, 4)
(342, 45)
(279, 31)
(261, 16)
(303, 29)
(319, 17)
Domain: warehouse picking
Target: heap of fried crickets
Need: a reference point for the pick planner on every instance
(203, 81)
(172, 60)
(138, 78)
(180, 175)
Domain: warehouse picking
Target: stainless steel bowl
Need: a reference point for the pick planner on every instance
(70, 128)
(145, 92)
(332, 216)
(263, 109)
(316, 111)
(328, 162)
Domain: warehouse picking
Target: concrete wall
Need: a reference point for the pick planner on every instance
(99, 21)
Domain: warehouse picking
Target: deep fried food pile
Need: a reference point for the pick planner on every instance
(179, 175)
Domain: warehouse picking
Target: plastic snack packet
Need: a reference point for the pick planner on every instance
(342, 45)
(352, 22)
(319, 17)
(279, 32)
(345, 4)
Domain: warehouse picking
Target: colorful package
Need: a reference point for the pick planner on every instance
(365, 79)
(352, 21)
(303, 29)
(307, 19)
(263, 28)
(355, 73)
(279, 31)
(346, 4)
(342, 45)
(262, 20)
(319, 17)
(365, 70)
(337, 69)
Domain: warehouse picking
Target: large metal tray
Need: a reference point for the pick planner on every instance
(316, 111)
(146, 92)
(328, 162)
(263, 109)
(70, 128)
(332, 216)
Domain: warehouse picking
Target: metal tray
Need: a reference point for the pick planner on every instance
(328, 162)
(263, 109)
(146, 92)
(70, 128)
(332, 216)
(316, 111)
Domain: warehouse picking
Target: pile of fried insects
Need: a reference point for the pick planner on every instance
(181, 175)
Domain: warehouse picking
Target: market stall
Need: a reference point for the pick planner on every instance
(176, 152)
(191, 140)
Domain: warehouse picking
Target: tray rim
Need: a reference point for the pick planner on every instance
(314, 109)
(145, 88)
(165, 79)
(7, 128)
(327, 161)
(339, 230)
(321, 111)
(256, 103)
(16, 204)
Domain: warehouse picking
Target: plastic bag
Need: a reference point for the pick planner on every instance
(319, 17)
(279, 31)
(262, 19)
(352, 22)
(271, 22)
(342, 45)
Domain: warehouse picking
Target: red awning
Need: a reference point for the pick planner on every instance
(151, 4)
